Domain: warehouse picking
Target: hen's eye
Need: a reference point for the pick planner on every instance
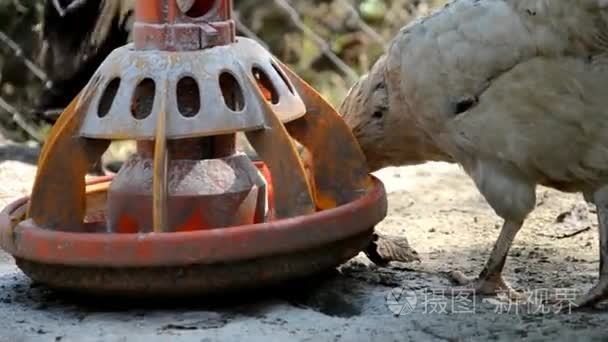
(378, 115)
(465, 104)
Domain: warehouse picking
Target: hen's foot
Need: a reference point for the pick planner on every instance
(600, 291)
(488, 286)
(596, 295)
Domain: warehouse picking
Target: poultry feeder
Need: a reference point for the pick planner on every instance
(188, 213)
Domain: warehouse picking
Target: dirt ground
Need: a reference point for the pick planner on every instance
(444, 218)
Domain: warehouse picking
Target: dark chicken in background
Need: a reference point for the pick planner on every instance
(77, 35)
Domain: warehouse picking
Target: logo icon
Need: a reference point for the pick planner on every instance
(401, 301)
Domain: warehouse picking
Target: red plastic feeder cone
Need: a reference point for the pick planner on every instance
(187, 213)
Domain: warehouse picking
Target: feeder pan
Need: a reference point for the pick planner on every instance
(188, 214)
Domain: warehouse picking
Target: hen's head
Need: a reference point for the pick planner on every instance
(385, 126)
(364, 111)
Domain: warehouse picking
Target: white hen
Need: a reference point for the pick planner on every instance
(512, 90)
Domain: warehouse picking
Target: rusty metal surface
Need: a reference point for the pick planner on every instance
(292, 191)
(182, 25)
(338, 168)
(159, 176)
(213, 116)
(202, 194)
(96, 199)
(97, 249)
(58, 196)
(197, 279)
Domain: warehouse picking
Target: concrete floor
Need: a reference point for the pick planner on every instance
(446, 221)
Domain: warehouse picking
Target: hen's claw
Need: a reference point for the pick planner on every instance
(600, 291)
(596, 295)
(490, 286)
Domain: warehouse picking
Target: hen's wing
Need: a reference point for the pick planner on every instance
(548, 117)
(456, 53)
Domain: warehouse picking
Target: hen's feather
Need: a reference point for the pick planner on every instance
(465, 46)
(548, 117)
(513, 90)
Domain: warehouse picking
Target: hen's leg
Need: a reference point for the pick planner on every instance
(490, 281)
(599, 291)
(512, 196)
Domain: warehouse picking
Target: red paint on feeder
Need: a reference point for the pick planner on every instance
(162, 25)
(135, 210)
(200, 8)
(194, 223)
(127, 225)
(269, 188)
(32, 242)
(197, 222)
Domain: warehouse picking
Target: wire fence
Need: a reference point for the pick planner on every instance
(11, 48)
